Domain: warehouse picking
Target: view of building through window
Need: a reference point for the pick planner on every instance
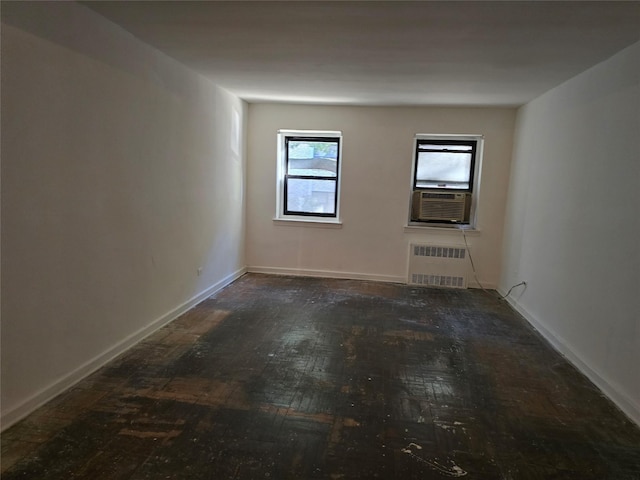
(311, 169)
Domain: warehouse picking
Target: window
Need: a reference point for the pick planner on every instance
(309, 174)
(444, 171)
(444, 164)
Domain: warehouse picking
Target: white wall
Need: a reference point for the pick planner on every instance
(573, 227)
(122, 174)
(376, 181)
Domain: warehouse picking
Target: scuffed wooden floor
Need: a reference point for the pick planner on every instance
(295, 378)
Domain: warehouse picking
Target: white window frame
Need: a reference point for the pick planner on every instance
(281, 170)
(476, 183)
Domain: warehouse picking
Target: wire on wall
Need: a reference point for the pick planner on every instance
(473, 267)
(475, 276)
(504, 297)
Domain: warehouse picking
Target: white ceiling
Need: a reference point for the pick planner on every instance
(383, 53)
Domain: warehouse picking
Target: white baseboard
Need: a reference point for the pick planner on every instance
(64, 383)
(484, 285)
(625, 403)
(301, 272)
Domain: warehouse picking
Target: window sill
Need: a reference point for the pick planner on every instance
(417, 228)
(307, 222)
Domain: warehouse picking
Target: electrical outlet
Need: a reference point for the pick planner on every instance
(199, 271)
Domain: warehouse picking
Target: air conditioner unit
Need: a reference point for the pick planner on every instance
(440, 206)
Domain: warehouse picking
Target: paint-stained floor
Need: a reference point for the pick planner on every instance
(295, 378)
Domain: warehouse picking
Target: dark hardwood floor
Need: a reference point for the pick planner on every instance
(296, 378)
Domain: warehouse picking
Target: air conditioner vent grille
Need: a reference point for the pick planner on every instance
(440, 206)
(445, 196)
(445, 210)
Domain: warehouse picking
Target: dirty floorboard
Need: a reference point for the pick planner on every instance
(294, 378)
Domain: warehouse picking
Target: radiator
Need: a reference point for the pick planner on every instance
(438, 265)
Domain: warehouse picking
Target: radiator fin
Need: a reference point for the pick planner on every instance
(438, 280)
(439, 252)
(438, 265)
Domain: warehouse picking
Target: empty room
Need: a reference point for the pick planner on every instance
(333, 240)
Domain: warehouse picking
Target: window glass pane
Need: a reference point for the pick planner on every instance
(450, 170)
(312, 158)
(311, 196)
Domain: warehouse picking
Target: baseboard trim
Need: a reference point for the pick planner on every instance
(626, 404)
(302, 272)
(59, 386)
(484, 285)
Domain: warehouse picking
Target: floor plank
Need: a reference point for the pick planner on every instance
(292, 378)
